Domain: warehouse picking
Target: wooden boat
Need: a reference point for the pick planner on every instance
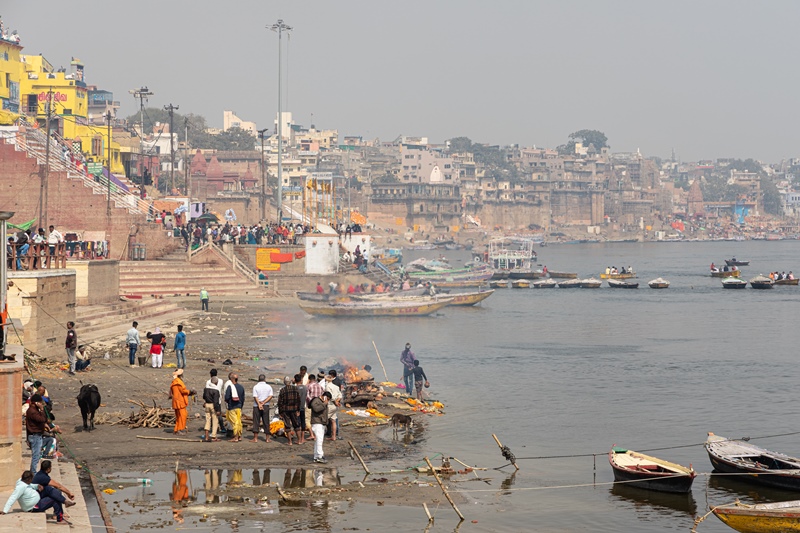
(619, 284)
(734, 262)
(469, 298)
(313, 296)
(646, 472)
(762, 517)
(420, 307)
(733, 283)
(787, 281)
(562, 275)
(659, 283)
(728, 274)
(521, 284)
(569, 284)
(544, 284)
(626, 275)
(767, 468)
(499, 284)
(414, 292)
(525, 274)
(499, 274)
(591, 283)
(761, 282)
(454, 284)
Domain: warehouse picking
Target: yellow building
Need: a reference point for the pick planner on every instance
(9, 77)
(66, 96)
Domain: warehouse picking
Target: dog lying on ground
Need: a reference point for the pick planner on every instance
(399, 420)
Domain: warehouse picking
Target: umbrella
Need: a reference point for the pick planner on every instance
(208, 217)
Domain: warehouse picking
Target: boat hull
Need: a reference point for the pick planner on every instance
(521, 284)
(763, 518)
(627, 275)
(371, 310)
(787, 282)
(761, 285)
(729, 274)
(523, 274)
(544, 284)
(563, 275)
(615, 284)
(664, 476)
(659, 285)
(731, 262)
(737, 462)
(470, 298)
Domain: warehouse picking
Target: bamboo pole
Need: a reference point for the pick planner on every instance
(366, 469)
(427, 512)
(444, 490)
(166, 438)
(501, 449)
(380, 361)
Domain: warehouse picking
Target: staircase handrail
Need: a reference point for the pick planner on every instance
(235, 263)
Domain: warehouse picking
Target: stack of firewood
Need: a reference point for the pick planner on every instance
(148, 417)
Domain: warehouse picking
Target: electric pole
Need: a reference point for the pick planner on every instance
(46, 170)
(186, 156)
(279, 27)
(142, 95)
(261, 134)
(171, 108)
(108, 182)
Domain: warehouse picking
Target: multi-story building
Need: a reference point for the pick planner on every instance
(420, 165)
(10, 70)
(230, 120)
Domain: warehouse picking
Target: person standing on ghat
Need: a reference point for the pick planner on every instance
(133, 341)
(71, 345)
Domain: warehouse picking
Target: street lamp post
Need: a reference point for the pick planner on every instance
(108, 182)
(4, 216)
(261, 134)
(280, 27)
(142, 95)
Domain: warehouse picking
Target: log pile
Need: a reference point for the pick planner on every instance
(148, 417)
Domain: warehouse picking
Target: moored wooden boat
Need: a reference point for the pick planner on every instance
(521, 284)
(626, 275)
(762, 517)
(724, 274)
(562, 275)
(620, 284)
(420, 307)
(787, 281)
(733, 283)
(524, 274)
(570, 284)
(591, 283)
(314, 296)
(544, 284)
(454, 284)
(659, 283)
(766, 467)
(469, 298)
(646, 472)
(734, 262)
(499, 274)
(499, 284)
(761, 282)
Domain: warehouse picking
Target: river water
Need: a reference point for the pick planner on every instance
(572, 372)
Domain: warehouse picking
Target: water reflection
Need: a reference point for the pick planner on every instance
(655, 503)
(508, 483)
(179, 494)
(727, 487)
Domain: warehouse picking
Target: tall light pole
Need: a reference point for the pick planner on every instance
(4, 216)
(171, 108)
(280, 27)
(142, 95)
(108, 182)
(261, 134)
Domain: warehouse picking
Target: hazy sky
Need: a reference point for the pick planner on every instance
(709, 79)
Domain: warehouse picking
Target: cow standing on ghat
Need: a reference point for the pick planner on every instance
(89, 402)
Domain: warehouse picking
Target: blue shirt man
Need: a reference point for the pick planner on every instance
(180, 347)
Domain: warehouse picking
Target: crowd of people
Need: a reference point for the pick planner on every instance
(196, 234)
(611, 270)
(26, 250)
(778, 276)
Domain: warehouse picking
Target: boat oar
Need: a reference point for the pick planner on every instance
(380, 361)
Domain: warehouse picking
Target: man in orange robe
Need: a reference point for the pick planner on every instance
(180, 400)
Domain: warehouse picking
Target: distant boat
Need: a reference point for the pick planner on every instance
(761, 282)
(761, 518)
(562, 275)
(734, 262)
(544, 284)
(733, 283)
(659, 283)
(524, 274)
(421, 307)
(646, 472)
(591, 283)
(726, 274)
(619, 275)
(619, 284)
(521, 284)
(765, 467)
(787, 281)
(570, 284)
(499, 284)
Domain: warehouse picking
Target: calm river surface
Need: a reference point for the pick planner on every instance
(563, 372)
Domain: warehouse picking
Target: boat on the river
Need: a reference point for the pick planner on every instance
(499, 274)
(787, 281)
(646, 472)
(733, 283)
(619, 275)
(469, 297)
(734, 262)
(762, 517)
(521, 284)
(458, 284)
(570, 284)
(525, 274)
(621, 284)
(726, 273)
(562, 275)
(499, 284)
(591, 283)
(766, 467)
(514, 255)
(544, 284)
(659, 283)
(761, 282)
(419, 307)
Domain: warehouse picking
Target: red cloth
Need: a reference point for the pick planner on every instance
(280, 258)
(300, 255)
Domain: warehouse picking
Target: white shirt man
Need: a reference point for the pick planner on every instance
(333, 404)
(262, 395)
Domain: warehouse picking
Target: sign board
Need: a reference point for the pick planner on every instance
(263, 261)
(96, 169)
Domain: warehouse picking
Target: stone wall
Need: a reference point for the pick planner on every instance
(516, 216)
(103, 278)
(44, 301)
(247, 209)
(10, 417)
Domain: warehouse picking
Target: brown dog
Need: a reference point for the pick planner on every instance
(401, 420)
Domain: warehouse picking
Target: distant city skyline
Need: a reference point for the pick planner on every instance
(710, 80)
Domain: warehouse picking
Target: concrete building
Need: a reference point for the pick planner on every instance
(230, 120)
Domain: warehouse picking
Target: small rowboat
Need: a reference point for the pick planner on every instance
(734, 262)
(787, 281)
(766, 468)
(618, 284)
(422, 307)
(646, 472)
(762, 517)
(728, 274)
(562, 275)
(733, 283)
(570, 284)
(659, 283)
(469, 298)
(591, 283)
(626, 275)
(457, 284)
(544, 284)
(521, 284)
(761, 282)
(498, 284)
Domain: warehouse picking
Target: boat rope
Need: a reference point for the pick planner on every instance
(712, 509)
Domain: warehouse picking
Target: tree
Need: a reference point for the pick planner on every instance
(772, 197)
(586, 137)
(231, 139)
(459, 145)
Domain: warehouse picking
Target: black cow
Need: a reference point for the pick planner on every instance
(88, 401)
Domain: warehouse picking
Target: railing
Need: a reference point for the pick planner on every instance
(38, 257)
(234, 262)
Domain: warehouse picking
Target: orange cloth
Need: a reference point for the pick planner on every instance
(180, 419)
(280, 258)
(180, 488)
(179, 393)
